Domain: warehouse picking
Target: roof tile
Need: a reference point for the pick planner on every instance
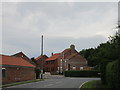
(55, 56)
(17, 61)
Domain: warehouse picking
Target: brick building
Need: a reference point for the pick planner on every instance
(69, 59)
(52, 63)
(15, 69)
(40, 62)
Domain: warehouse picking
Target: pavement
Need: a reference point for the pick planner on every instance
(56, 82)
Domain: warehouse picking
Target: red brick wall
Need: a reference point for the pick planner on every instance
(70, 52)
(39, 62)
(50, 67)
(77, 61)
(13, 74)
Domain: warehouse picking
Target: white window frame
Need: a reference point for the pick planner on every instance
(74, 68)
(81, 68)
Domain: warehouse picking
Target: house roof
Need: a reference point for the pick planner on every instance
(75, 54)
(14, 61)
(66, 50)
(22, 55)
(55, 56)
(71, 56)
(39, 57)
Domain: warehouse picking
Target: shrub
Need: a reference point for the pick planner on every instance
(83, 73)
(103, 65)
(112, 74)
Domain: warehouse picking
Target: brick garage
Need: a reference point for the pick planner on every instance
(15, 69)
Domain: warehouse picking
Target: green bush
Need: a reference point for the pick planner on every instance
(113, 75)
(82, 73)
(103, 65)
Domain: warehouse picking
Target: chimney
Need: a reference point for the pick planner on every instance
(51, 54)
(72, 47)
(42, 46)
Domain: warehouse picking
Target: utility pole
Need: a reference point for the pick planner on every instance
(41, 58)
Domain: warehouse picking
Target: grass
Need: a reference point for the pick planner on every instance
(94, 84)
(18, 83)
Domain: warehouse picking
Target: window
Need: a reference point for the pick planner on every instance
(65, 61)
(68, 66)
(3, 72)
(81, 68)
(58, 68)
(74, 68)
(52, 62)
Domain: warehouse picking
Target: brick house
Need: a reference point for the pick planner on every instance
(40, 61)
(15, 69)
(52, 63)
(69, 59)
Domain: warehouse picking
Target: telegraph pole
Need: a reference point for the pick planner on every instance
(42, 59)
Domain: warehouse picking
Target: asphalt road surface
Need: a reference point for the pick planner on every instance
(56, 83)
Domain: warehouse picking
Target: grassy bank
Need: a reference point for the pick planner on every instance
(94, 84)
(23, 82)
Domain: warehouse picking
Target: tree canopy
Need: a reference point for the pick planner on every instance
(105, 51)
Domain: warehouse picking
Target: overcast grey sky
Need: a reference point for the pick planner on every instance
(62, 23)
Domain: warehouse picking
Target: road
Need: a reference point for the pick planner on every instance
(53, 83)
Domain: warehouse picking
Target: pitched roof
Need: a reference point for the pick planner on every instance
(55, 56)
(22, 55)
(14, 61)
(39, 57)
(75, 54)
(71, 56)
(66, 50)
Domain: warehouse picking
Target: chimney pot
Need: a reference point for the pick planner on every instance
(72, 46)
(52, 54)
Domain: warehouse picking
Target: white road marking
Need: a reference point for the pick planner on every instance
(82, 85)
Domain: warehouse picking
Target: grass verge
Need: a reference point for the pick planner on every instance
(94, 84)
(18, 83)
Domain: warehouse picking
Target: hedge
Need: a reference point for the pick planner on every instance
(113, 74)
(103, 65)
(82, 73)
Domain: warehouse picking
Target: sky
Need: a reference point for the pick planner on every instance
(84, 24)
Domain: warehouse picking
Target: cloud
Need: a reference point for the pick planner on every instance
(64, 23)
